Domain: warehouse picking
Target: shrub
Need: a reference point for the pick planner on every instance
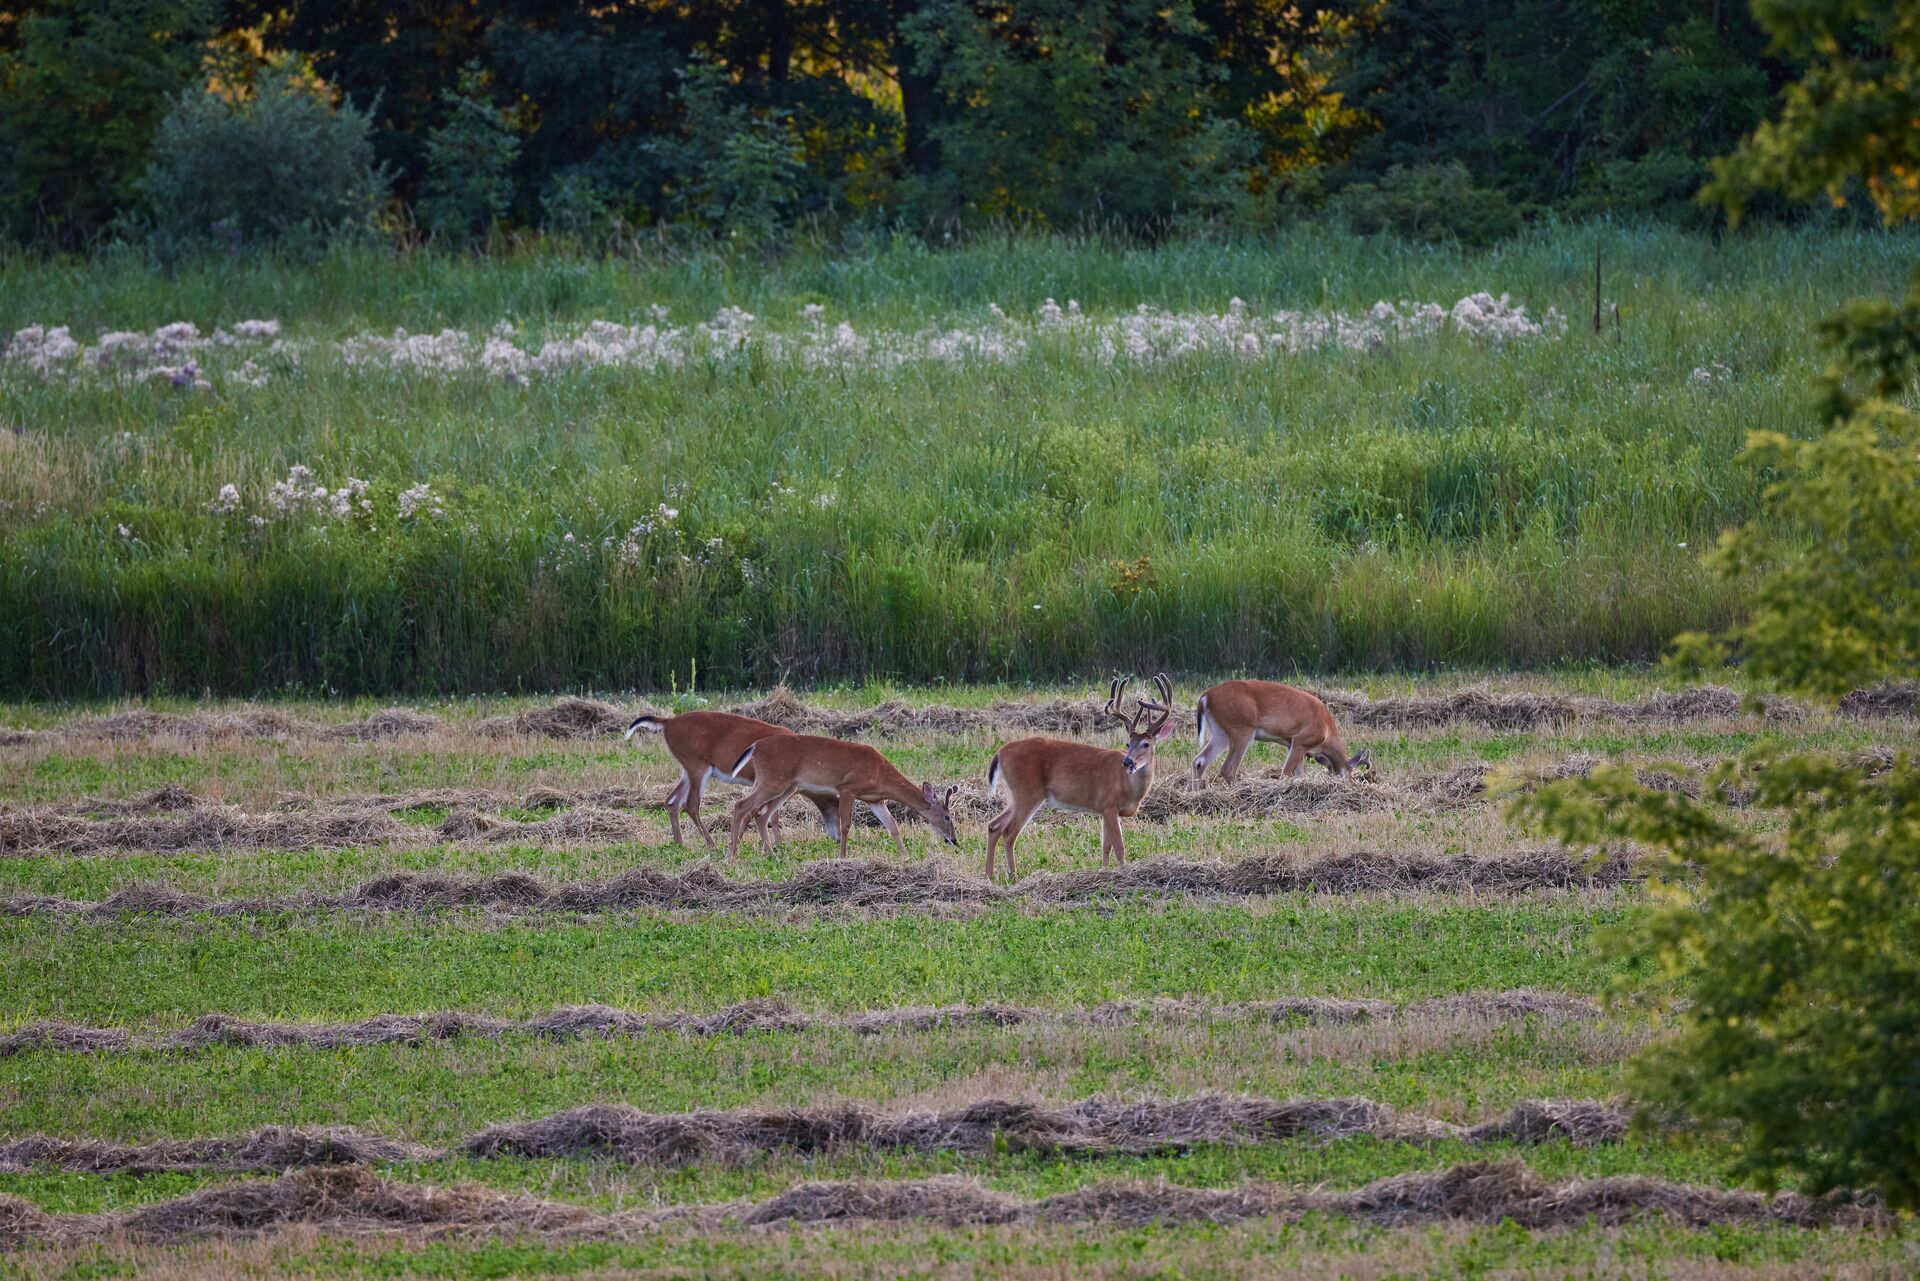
(470, 161)
(278, 166)
(1429, 203)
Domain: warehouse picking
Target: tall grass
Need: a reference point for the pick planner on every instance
(1429, 503)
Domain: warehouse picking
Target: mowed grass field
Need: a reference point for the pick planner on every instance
(319, 875)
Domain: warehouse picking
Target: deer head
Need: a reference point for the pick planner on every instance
(1148, 724)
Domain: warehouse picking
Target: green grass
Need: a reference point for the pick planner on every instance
(344, 968)
(441, 1092)
(1315, 1248)
(1433, 504)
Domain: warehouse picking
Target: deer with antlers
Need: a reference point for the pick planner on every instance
(842, 773)
(1234, 715)
(705, 744)
(1081, 777)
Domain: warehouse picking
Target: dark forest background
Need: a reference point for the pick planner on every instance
(194, 125)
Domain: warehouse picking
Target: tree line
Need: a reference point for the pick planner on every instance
(230, 123)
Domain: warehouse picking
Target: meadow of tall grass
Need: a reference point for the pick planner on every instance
(745, 512)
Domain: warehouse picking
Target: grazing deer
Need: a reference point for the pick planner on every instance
(832, 771)
(701, 742)
(1080, 776)
(1234, 715)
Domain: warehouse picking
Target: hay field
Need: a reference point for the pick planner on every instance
(378, 986)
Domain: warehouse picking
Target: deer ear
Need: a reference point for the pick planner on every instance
(1165, 730)
(927, 792)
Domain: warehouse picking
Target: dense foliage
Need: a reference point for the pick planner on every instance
(280, 166)
(935, 115)
(1799, 949)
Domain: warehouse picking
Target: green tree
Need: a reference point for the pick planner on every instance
(278, 165)
(470, 162)
(83, 85)
(1799, 951)
(1059, 111)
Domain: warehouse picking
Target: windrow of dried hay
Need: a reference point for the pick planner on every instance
(174, 820)
(869, 883)
(353, 1199)
(776, 1014)
(577, 718)
(1097, 1126)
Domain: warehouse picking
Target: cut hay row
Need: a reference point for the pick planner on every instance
(354, 1199)
(1093, 1127)
(173, 820)
(581, 718)
(776, 1014)
(870, 883)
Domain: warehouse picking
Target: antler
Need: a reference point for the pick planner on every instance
(1117, 691)
(1164, 706)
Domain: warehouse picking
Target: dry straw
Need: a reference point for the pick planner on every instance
(594, 718)
(838, 884)
(1093, 1127)
(775, 1014)
(353, 1199)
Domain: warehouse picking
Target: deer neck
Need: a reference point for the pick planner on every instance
(892, 785)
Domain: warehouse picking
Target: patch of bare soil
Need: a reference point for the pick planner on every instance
(775, 1014)
(353, 1199)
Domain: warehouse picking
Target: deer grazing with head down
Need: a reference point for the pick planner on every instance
(831, 770)
(1081, 777)
(1234, 715)
(705, 744)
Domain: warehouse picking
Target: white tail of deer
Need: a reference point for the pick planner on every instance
(706, 745)
(1081, 777)
(830, 771)
(1234, 715)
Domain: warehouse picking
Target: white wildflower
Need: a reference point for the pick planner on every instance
(228, 501)
(414, 499)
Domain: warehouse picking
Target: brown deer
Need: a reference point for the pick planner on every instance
(831, 770)
(1081, 777)
(704, 743)
(1234, 715)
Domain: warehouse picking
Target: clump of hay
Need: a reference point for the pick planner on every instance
(950, 1200)
(388, 722)
(272, 1149)
(1902, 699)
(345, 1198)
(565, 718)
(1584, 1122)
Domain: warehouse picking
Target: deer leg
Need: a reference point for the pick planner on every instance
(691, 805)
(1236, 752)
(1017, 821)
(1110, 839)
(893, 829)
(1210, 750)
(744, 809)
(846, 820)
(1296, 759)
(675, 799)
